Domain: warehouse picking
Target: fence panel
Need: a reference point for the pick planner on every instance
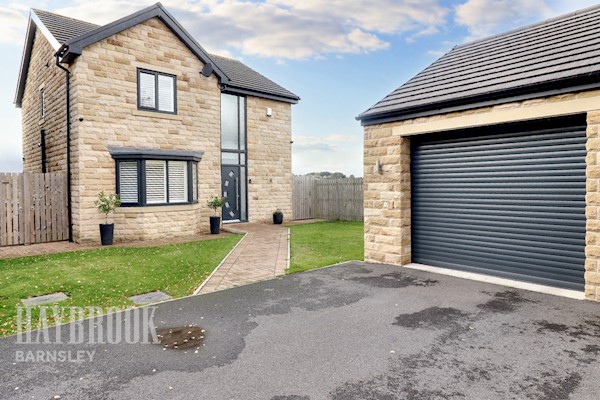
(328, 198)
(302, 193)
(33, 208)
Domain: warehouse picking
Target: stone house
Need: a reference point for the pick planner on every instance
(488, 161)
(146, 112)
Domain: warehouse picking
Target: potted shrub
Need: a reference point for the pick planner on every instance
(106, 205)
(278, 217)
(215, 221)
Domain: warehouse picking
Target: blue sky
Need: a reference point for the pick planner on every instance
(339, 56)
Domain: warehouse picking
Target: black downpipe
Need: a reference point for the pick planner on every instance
(69, 206)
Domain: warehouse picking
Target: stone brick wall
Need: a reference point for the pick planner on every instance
(592, 210)
(387, 196)
(269, 159)
(106, 98)
(43, 73)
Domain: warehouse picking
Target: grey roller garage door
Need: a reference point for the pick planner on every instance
(507, 201)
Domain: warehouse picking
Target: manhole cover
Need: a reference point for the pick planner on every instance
(180, 338)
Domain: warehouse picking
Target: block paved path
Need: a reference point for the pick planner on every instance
(262, 254)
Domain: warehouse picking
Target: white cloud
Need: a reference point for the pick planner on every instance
(285, 29)
(333, 153)
(486, 17)
(13, 22)
(338, 137)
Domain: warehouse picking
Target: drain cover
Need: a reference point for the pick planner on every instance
(180, 338)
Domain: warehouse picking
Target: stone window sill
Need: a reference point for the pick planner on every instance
(152, 114)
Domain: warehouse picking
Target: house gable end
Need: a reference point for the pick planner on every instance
(75, 46)
(34, 24)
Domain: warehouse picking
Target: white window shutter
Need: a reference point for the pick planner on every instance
(195, 181)
(156, 182)
(128, 181)
(178, 185)
(166, 93)
(147, 90)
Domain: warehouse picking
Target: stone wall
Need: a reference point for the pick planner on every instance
(105, 76)
(592, 210)
(269, 159)
(43, 73)
(387, 196)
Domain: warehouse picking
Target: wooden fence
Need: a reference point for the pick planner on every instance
(328, 198)
(33, 208)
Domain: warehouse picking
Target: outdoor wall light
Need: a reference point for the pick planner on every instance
(269, 112)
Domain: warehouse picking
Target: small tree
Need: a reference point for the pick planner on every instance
(215, 203)
(107, 204)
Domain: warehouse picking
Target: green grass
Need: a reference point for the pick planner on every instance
(106, 277)
(324, 243)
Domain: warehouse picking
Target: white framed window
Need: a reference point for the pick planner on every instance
(157, 91)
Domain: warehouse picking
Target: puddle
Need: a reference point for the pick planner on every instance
(430, 318)
(394, 280)
(180, 338)
(504, 302)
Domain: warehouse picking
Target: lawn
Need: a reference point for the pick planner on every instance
(324, 243)
(106, 277)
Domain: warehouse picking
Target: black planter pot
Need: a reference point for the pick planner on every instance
(278, 219)
(215, 225)
(106, 234)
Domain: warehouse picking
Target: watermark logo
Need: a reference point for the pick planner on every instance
(102, 326)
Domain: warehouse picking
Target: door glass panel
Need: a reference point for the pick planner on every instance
(243, 215)
(229, 158)
(229, 122)
(242, 123)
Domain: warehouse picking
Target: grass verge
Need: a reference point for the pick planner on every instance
(107, 277)
(324, 243)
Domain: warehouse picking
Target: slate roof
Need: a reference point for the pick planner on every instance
(243, 77)
(74, 35)
(64, 28)
(559, 53)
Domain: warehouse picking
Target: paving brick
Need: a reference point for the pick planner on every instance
(261, 255)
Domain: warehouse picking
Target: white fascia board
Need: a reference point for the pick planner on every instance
(53, 42)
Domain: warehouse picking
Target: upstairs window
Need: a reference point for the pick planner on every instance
(157, 91)
(42, 103)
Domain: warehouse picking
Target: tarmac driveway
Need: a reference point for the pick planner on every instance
(352, 331)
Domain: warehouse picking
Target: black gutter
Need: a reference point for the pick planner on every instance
(68, 80)
(248, 92)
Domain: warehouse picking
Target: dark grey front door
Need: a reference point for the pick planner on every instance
(230, 184)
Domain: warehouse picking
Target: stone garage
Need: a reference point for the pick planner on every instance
(486, 162)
